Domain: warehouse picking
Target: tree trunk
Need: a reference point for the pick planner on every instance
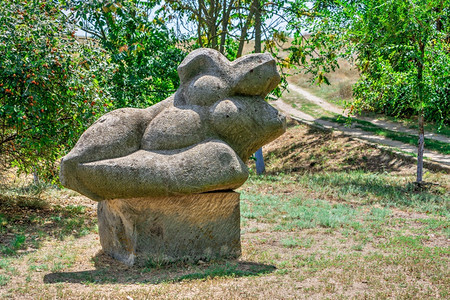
(421, 142)
(212, 25)
(257, 27)
(420, 149)
(199, 25)
(225, 19)
(245, 28)
(260, 167)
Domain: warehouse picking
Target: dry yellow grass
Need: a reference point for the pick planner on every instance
(333, 218)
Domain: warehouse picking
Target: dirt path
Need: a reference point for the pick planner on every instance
(356, 132)
(380, 123)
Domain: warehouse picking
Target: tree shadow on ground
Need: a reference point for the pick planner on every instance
(373, 187)
(110, 271)
(27, 220)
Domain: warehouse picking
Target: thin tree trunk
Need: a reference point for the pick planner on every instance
(421, 142)
(245, 28)
(260, 166)
(257, 27)
(199, 27)
(420, 149)
(35, 176)
(212, 25)
(225, 19)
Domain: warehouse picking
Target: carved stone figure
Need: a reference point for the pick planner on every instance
(196, 141)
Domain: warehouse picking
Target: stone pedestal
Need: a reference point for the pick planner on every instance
(166, 229)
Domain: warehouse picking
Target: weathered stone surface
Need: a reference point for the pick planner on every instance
(166, 229)
(195, 141)
(152, 170)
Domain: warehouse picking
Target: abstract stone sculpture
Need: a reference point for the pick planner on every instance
(163, 175)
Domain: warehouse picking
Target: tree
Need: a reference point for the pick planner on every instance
(50, 85)
(400, 47)
(237, 19)
(260, 166)
(211, 20)
(143, 49)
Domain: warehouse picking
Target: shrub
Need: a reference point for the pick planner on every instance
(50, 85)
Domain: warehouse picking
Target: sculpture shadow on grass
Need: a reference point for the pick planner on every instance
(109, 271)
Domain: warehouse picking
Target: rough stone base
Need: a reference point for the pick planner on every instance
(167, 229)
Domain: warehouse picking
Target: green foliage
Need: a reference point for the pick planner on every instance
(401, 47)
(50, 85)
(142, 49)
(53, 85)
(432, 144)
(404, 63)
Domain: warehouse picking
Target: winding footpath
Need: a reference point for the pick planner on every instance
(359, 133)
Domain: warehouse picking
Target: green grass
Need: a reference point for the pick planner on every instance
(430, 144)
(318, 112)
(315, 213)
(28, 220)
(297, 243)
(354, 186)
(339, 93)
(412, 124)
(4, 279)
(301, 103)
(17, 243)
(367, 188)
(227, 270)
(332, 235)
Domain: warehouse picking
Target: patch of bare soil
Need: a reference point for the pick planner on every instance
(305, 149)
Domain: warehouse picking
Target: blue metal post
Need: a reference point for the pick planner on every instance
(260, 168)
